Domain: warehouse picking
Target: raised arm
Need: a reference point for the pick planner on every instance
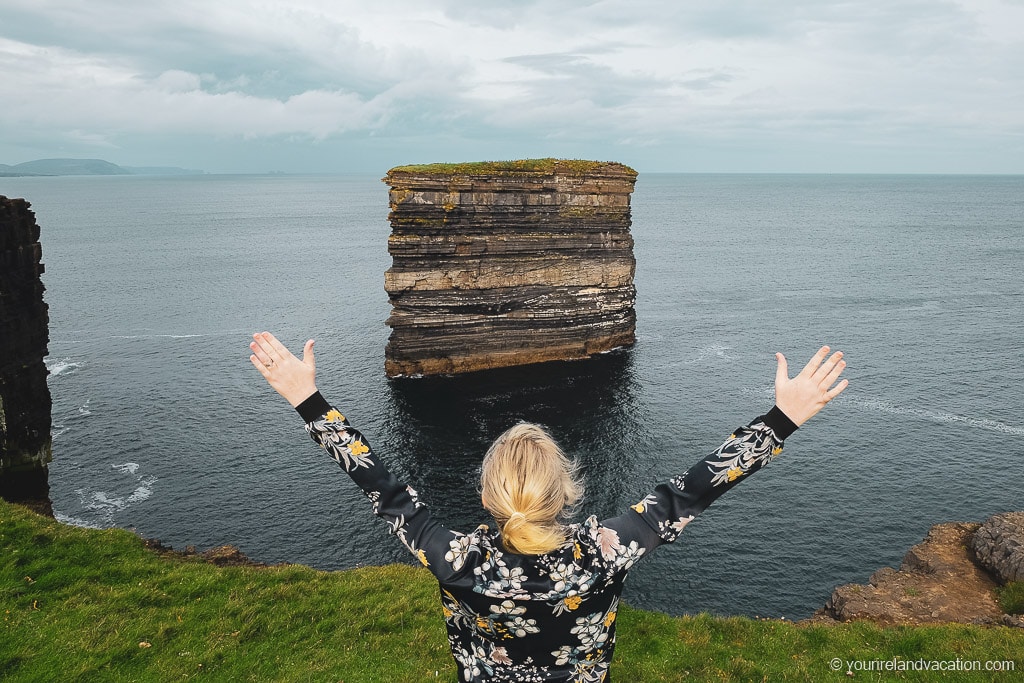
(662, 515)
(393, 501)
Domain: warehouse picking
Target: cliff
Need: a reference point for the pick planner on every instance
(24, 335)
(950, 576)
(507, 263)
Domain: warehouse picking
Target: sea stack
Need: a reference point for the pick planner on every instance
(24, 334)
(507, 263)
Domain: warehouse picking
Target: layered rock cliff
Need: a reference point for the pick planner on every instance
(24, 335)
(506, 263)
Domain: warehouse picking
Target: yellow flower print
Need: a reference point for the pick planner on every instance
(334, 416)
(577, 552)
(733, 435)
(358, 448)
(776, 450)
(446, 612)
(573, 601)
(641, 507)
(734, 473)
(609, 620)
(423, 557)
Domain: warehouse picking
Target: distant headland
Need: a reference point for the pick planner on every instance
(57, 167)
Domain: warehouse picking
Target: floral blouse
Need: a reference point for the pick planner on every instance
(549, 617)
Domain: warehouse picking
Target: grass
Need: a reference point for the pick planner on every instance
(512, 167)
(96, 605)
(1011, 597)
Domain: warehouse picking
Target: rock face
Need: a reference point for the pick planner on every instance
(24, 335)
(507, 263)
(998, 546)
(937, 582)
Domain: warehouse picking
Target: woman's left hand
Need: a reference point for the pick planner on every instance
(292, 378)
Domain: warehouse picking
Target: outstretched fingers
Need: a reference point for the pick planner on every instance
(832, 369)
(815, 362)
(836, 390)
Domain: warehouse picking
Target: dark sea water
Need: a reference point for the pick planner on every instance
(161, 424)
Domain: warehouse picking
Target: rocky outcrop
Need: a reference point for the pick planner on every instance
(24, 335)
(939, 581)
(507, 263)
(998, 546)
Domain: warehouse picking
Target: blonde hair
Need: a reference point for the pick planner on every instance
(529, 486)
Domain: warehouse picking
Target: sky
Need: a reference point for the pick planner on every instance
(802, 86)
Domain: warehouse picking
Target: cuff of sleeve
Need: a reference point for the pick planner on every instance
(779, 423)
(313, 408)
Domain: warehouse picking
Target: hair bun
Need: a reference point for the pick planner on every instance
(516, 520)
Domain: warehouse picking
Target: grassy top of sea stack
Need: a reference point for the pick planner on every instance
(514, 167)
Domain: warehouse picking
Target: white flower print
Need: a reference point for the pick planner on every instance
(520, 627)
(590, 630)
(563, 654)
(629, 555)
(670, 530)
(510, 577)
(459, 549)
(507, 607)
(753, 445)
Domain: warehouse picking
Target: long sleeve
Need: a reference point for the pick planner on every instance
(393, 501)
(662, 515)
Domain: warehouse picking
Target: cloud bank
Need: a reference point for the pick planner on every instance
(902, 85)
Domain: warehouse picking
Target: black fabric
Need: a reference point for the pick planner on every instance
(547, 617)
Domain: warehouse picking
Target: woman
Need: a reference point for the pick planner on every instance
(535, 599)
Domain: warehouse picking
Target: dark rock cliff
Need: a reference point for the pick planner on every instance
(508, 263)
(24, 335)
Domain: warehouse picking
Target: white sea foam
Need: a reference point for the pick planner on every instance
(84, 408)
(713, 353)
(75, 521)
(108, 503)
(158, 336)
(61, 366)
(105, 505)
(143, 491)
(889, 408)
(881, 406)
(56, 430)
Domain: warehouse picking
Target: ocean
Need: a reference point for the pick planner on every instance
(161, 425)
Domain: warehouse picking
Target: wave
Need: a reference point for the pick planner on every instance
(174, 336)
(882, 406)
(84, 408)
(105, 505)
(61, 366)
(714, 353)
(889, 408)
(75, 521)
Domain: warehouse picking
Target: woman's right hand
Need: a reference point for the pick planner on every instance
(801, 397)
(292, 378)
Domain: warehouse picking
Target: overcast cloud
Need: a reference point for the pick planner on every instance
(311, 85)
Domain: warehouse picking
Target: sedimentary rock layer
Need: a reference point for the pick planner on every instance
(24, 335)
(498, 264)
